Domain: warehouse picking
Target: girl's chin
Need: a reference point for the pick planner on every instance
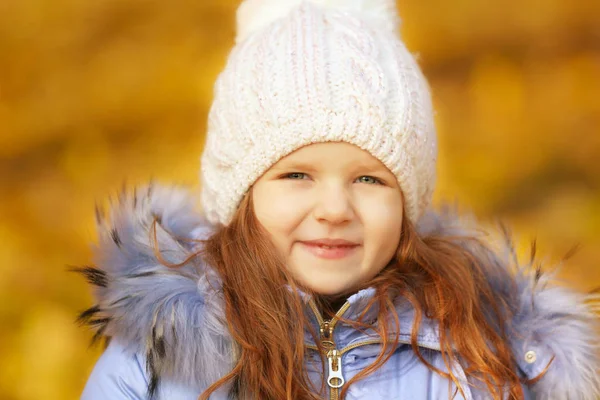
(327, 286)
(326, 277)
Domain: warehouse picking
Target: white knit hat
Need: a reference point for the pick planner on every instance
(308, 71)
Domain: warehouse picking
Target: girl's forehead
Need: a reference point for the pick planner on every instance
(331, 153)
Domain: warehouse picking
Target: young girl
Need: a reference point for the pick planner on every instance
(317, 267)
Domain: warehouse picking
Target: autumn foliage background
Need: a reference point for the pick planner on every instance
(94, 93)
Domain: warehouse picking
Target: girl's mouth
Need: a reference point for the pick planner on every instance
(330, 252)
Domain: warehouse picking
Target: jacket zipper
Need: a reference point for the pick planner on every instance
(335, 377)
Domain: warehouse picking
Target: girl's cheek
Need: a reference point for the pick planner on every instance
(280, 209)
(382, 206)
(287, 204)
(381, 218)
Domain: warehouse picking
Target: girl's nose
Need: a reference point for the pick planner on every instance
(333, 205)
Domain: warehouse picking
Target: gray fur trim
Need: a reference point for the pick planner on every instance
(560, 326)
(173, 316)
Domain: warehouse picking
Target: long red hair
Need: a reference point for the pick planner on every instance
(267, 320)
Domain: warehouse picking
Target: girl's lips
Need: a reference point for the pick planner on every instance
(329, 252)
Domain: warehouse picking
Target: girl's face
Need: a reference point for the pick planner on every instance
(334, 212)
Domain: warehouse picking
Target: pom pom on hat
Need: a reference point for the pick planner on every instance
(253, 15)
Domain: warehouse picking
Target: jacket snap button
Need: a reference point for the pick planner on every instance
(530, 356)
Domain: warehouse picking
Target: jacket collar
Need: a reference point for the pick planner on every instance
(355, 307)
(174, 316)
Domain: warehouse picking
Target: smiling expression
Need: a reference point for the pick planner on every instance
(334, 212)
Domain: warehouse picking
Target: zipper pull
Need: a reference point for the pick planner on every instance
(327, 337)
(326, 330)
(335, 378)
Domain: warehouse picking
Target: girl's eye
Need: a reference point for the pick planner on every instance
(295, 175)
(363, 179)
(370, 180)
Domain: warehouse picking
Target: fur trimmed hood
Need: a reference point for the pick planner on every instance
(175, 317)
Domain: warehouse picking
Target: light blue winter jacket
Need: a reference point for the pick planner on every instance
(169, 337)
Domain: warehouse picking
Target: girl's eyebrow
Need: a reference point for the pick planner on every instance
(370, 167)
(296, 166)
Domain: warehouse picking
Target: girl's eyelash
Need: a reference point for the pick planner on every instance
(377, 180)
(289, 176)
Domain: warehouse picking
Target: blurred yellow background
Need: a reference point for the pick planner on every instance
(93, 93)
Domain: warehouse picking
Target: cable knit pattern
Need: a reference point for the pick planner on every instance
(317, 71)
